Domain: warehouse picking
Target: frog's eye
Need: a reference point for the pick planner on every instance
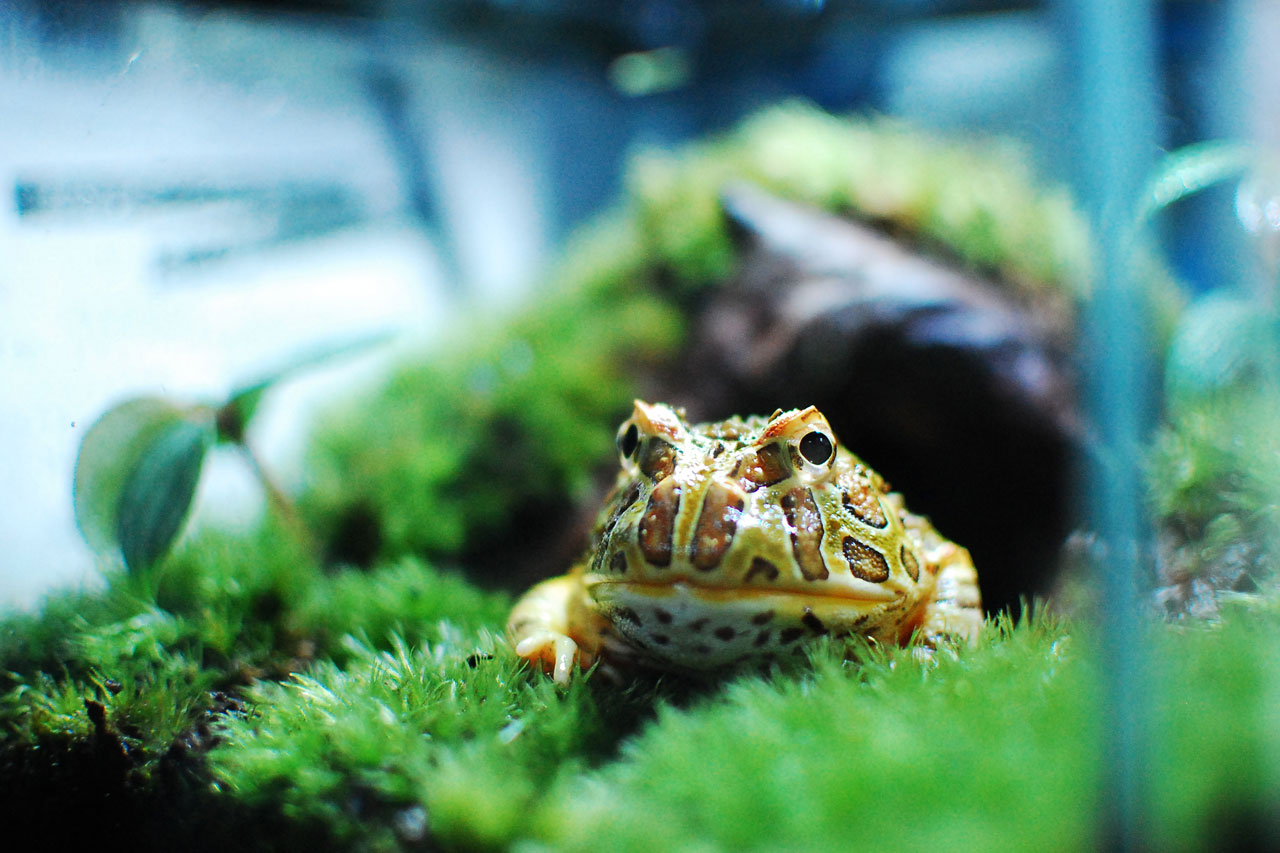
(629, 447)
(628, 440)
(813, 454)
(816, 448)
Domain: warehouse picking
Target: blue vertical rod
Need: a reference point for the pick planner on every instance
(1112, 48)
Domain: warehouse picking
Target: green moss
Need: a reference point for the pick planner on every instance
(233, 589)
(993, 749)
(404, 600)
(149, 706)
(1215, 458)
(1214, 475)
(448, 449)
(449, 738)
(999, 747)
(1216, 732)
(150, 666)
(452, 743)
(1214, 463)
(40, 641)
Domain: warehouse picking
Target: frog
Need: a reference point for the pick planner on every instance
(730, 543)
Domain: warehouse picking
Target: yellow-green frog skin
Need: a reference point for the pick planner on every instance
(727, 543)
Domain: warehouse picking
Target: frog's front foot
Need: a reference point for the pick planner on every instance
(955, 613)
(551, 651)
(540, 629)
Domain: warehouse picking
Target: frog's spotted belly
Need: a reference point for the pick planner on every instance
(732, 541)
(679, 626)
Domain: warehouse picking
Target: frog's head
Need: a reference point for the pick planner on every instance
(746, 518)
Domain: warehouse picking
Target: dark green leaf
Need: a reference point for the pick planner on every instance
(157, 494)
(109, 453)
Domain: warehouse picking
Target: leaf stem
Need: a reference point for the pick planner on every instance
(279, 501)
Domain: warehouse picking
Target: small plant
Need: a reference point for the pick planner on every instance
(140, 463)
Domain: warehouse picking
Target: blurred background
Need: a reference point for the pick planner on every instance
(192, 193)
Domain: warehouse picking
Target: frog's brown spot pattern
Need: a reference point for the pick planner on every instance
(861, 500)
(762, 639)
(864, 561)
(806, 533)
(618, 562)
(658, 525)
(812, 622)
(658, 459)
(725, 633)
(762, 618)
(662, 616)
(718, 521)
(910, 563)
(790, 635)
(768, 467)
(762, 568)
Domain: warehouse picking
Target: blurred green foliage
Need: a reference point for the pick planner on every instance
(1213, 468)
(1214, 475)
(449, 447)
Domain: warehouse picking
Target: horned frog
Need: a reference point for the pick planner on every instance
(726, 543)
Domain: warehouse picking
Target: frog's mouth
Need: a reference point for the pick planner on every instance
(687, 609)
(680, 625)
(852, 593)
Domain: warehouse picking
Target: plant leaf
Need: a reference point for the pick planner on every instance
(1193, 168)
(157, 495)
(135, 476)
(109, 452)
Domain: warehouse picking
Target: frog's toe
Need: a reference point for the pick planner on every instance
(551, 650)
